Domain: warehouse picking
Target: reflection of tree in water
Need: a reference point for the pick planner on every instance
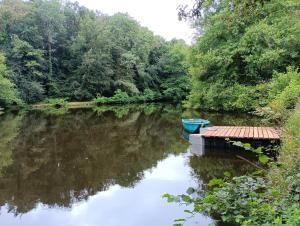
(58, 160)
(9, 125)
(213, 165)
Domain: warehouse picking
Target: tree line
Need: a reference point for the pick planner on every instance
(59, 49)
(247, 55)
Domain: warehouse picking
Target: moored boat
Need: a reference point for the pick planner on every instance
(193, 125)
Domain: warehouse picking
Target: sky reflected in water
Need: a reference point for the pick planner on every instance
(108, 166)
(141, 205)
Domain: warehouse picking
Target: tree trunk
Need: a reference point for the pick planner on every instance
(50, 56)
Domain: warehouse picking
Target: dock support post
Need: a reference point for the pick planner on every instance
(197, 144)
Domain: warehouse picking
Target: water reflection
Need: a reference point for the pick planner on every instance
(119, 205)
(62, 160)
(105, 166)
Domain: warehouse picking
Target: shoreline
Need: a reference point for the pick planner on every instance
(83, 104)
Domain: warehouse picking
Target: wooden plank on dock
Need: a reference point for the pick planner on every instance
(258, 133)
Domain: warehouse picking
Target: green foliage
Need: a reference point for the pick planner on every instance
(243, 43)
(121, 97)
(289, 160)
(260, 152)
(121, 111)
(53, 106)
(242, 200)
(25, 63)
(175, 89)
(8, 93)
(284, 92)
(56, 102)
(220, 97)
(58, 49)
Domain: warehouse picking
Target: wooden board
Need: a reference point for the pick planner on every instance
(258, 133)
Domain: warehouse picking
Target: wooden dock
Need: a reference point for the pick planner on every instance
(242, 132)
(215, 137)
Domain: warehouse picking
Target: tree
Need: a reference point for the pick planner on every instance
(8, 93)
(26, 65)
(242, 44)
(60, 49)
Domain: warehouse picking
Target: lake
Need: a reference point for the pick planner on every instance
(108, 166)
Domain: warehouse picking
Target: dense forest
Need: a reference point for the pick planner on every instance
(59, 49)
(246, 56)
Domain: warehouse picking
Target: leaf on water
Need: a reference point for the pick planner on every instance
(179, 220)
(171, 199)
(186, 198)
(190, 190)
(188, 211)
(166, 195)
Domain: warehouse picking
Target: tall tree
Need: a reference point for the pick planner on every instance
(8, 93)
(242, 44)
(26, 66)
(57, 48)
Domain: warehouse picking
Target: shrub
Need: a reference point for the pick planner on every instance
(219, 96)
(121, 97)
(175, 89)
(56, 102)
(243, 200)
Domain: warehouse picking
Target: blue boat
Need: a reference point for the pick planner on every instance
(193, 125)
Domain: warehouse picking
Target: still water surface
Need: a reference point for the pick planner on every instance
(107, 167)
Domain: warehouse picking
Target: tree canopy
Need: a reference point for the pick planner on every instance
(8, 93)
(242, 44)
(61, 49)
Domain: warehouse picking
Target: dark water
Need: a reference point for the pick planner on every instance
(107, 167)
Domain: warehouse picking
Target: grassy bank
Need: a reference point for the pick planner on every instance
(86, 104)
(284, 175)
(120, 97)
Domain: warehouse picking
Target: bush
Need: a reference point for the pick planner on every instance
(56, 102)
(121, 97)
(175, 89)
(273, 99)
(284, 92)
(219, 96)
(242, 200)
